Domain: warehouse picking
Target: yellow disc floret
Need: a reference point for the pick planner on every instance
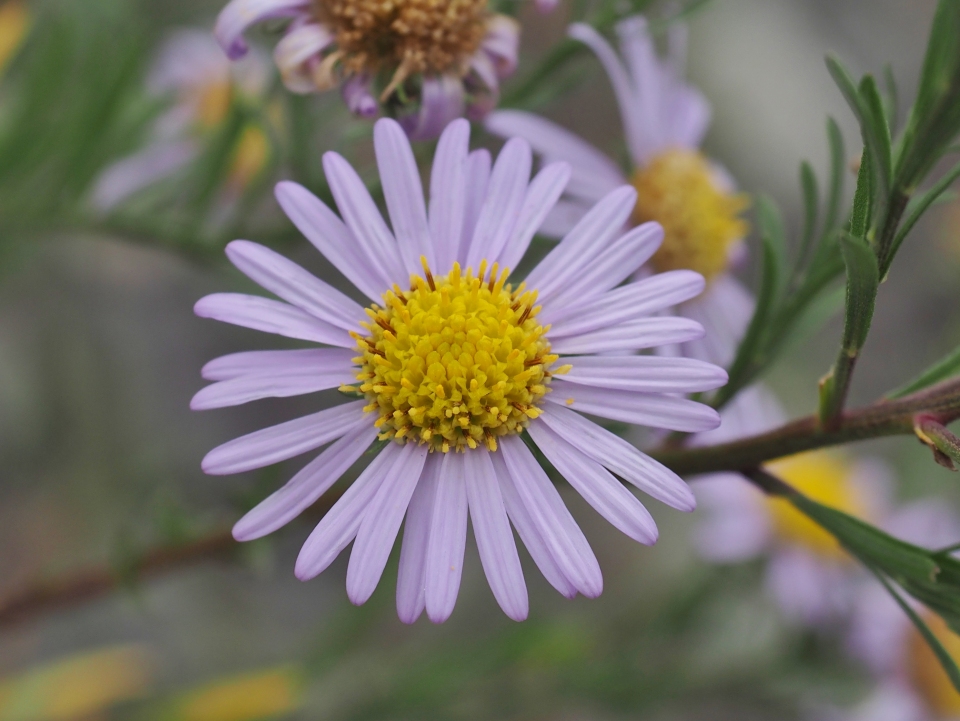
(826, 479)
(928, 675)
(679, 190)
(456, 361)
(435, 36)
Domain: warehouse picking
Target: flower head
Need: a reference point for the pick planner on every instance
(425, 60)
(458, 365)
(190, 70)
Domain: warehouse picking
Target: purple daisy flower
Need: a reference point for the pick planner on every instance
(430, 62)
(453, 364)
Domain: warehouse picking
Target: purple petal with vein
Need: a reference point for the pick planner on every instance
(542, 195)
(527, 530)
(498, 551)
(286, 440)
(560, 533)
(411, 574)
(363, 217)
(597, 486)
(239, 15)
(643, 409)
(404, 195)
(269, 362)
(448, 193)
(448, 539)
(340, 525)
(613, 452)
(645, 374)
(634, 335)
(631, 302)
(270, 316)
(238, 391)
(478, 179)
(332, 237)
(505, 194)
(295, 285)
(306, 487)
(381, 522)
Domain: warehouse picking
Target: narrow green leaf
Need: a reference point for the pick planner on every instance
(811, 201)
(943, 656)
(877, 134)
(891, 99)
(935, 117)
(772, 232)
(943, 369)
(863, 279)
(838, 164)
(862, 197)
(920, 204)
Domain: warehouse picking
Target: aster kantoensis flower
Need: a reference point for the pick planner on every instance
(426, 61)
(453, 364)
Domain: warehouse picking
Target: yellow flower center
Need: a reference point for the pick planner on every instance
(249, 157)
(417, 36)
(928, 675)
(824, 478)
(678, 189)
(211, 102)
(456, 361)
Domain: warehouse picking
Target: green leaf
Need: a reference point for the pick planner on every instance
(867, 106)
(811, 201)
(935, 117)
(863, 279)
(838, 164)
(891, 99)
(943, 369)
(921, 203)
(860, 218)
(943, 656)
(772, 232)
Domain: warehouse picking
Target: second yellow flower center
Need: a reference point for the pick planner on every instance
(678, 189)
(456, 361)
(824, 478)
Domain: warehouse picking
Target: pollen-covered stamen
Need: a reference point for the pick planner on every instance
(404, 37)
(679, 190)
(456, 361)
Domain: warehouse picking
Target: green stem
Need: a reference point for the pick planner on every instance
(884, 418)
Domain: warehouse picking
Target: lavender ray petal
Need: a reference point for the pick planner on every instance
(589, 238)
(340, 525)
(411, 575)
(295, 285)
(528, 532)
(633, 335)
(645, 374)
(313, 480)
(332, 238)
(643, 409)
(542, 195)
(613, 452)
(477, 182)
(237, 391)
(404, 195)
(361, 215)
(498, 551)
(239, 15)
(611, 267)
(505, 193)
(448, 539)
(630, 302)
(296, 53)
(280, 442)
(270, 362)
(381, 523)
(448, 193)
(560, 533)
(597, 486)
(270, 316)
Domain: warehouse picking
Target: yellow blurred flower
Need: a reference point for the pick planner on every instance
(77, 687)
(248, 697)
(14, 24)
(928, 675)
